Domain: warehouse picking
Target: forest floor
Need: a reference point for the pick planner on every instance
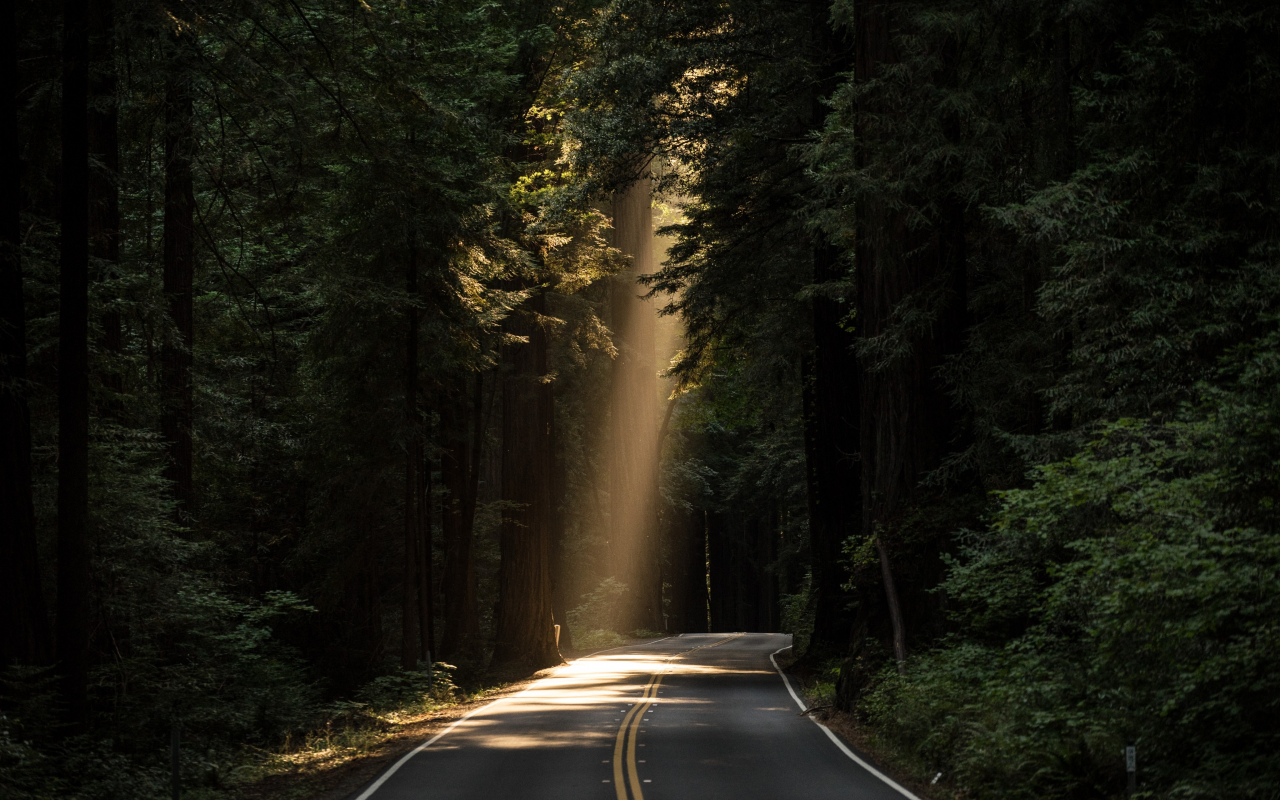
(860, 737)
(335, 767)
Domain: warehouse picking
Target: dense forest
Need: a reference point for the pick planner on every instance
(341, 339)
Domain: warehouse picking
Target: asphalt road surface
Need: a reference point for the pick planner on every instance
(701, 717)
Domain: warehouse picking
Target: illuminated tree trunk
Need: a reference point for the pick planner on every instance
(524, 634)
(24, 623)
(633, 462)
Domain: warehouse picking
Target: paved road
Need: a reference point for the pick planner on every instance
(696, 717)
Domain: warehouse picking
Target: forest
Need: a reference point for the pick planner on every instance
(347, 349)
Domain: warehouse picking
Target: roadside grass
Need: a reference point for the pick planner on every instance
(371, 728)
(359, 737)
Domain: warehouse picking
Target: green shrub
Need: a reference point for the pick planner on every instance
(1131, 594)
(597, 640)
(600, 611)
(797, 615)
(407, 689)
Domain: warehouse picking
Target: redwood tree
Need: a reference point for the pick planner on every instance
(524, 632)
(459, 469)
(179, 270)
(633, 410)
(73, 370)
(906, 262)
(24, 632)
(409, 611)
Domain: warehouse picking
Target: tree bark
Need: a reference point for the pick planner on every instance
(832, 429)
(413, 457)
(691, 533)
(907, 419)
(719, 580)
(24, 621)
(524, 636)
(895, 610)
(830, 377)
(459, 468)
(104, 194)
(179, 273)
(73, 372)
(633, 461)
(426, 563)
(559, 554)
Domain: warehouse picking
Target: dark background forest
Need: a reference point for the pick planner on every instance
(339, 340)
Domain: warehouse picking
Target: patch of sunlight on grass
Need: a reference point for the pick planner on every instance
(355, 732)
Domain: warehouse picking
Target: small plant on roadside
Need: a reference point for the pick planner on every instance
(600, 612)
(597, 640)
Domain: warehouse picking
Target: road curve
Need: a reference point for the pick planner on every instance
(696, 717)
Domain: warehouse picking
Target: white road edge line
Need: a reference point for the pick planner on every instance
(367, 793)
(396, 766)
(836, 739)
(623, 646)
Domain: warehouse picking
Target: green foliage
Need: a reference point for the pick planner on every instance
(597, 640)
(1130, 594)
(409, 689)
(821, 689)
(600, 611)
(797, 615)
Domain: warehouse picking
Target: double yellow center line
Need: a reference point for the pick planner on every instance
(624, 769)
(627, 740)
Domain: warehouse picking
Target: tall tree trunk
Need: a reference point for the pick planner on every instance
(895, 610)
(907, 419)
(830, 379)
(179, 273)
(73, 371)
(413, 459)
(699, 560)
(459, 467)
(104, 194)
(24, 622)
(689, 589)
(524, 632)
(719, 579)
(766, 553)
(831, 423)
(559, 544)
(633, 464)
(426, 563)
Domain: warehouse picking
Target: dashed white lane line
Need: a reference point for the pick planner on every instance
(836, 739)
